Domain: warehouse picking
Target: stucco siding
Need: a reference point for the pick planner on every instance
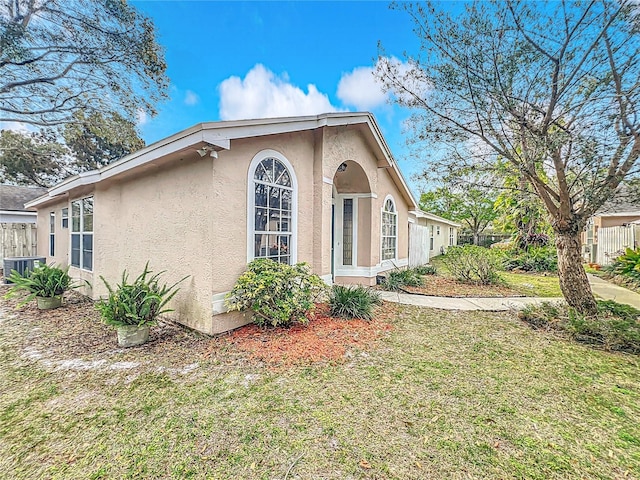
(166, 218)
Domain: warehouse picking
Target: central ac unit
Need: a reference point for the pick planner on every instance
(21, 265)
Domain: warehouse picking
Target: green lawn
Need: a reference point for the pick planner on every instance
(533, 284)
(446, 395)
(529, 284)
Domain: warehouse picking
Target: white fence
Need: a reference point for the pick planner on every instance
(418, 245)
(612, 241)
(17, 240)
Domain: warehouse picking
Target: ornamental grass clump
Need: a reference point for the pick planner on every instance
(426, 270)
(353, 302)
(276, 293)
(398, 279)
(138, 303)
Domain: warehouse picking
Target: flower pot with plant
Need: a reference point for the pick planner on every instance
(133, 307)
(46, 283)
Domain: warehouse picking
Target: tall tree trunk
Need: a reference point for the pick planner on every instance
(573, 279)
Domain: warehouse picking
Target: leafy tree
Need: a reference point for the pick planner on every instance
(547, 86)
(472, 207)
(519, 209)
(97, 140)
(59, 57)
(32, 159)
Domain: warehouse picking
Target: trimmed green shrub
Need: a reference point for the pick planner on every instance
(353, 302)
(43, 281)
(398, 279)
(138, 303)
(533, 259)
(278, 294)
(473, 264)
(426, 270)
(615, 327)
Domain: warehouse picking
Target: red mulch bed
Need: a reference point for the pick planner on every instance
(324, 339)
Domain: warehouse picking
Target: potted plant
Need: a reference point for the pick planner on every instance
(45, 283)
(133, 307)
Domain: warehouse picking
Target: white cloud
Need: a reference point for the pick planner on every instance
(263, 94)
(361, 89)
(141, 117)
(19, 127)
(191, 98)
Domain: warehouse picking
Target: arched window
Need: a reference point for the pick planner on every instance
(389, 230)
(272, 197)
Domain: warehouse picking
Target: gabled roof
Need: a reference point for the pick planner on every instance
(13, 198)
(625, 203)
(434, 217)
(216, 136)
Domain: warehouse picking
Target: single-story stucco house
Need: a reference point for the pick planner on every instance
(321, 189)
(443, 233)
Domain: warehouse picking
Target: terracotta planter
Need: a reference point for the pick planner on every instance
(132, 335)
(48, 303)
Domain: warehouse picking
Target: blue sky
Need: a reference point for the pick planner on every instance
(230, 60)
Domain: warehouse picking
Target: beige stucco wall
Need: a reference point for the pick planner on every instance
(189, 217)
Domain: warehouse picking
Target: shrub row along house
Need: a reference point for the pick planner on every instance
(206, 201)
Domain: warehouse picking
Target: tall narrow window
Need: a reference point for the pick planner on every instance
(65, 218)
(82, 233)
(431, 237)
(347, 231)
(52, 234)
(389, 230)
(273, 194)
(451, 236)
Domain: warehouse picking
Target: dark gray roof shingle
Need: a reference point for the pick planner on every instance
(14, 198)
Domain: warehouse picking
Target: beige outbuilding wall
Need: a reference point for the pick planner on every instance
(188, 215)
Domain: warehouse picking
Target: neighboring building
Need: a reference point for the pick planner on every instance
(442, 233)
(12, 200)
(206, 201)
(17, 224)
(623, 210)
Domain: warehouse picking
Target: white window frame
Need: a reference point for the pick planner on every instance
(383, 211)
(438, 230)
(338, 202)
(451, 236)
(52, 234)
(251, 200)
(81, 234)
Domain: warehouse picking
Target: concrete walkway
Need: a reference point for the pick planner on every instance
(449, 303)
(601, 288)
(610, 291)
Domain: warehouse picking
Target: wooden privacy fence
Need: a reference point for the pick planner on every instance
(612, 241)
(17, 240)
(418, 245)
